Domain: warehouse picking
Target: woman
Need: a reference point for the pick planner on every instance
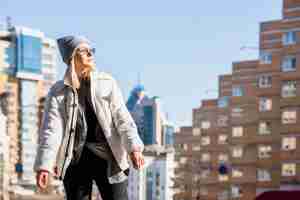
(86, 129)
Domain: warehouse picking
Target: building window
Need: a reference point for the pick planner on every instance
(237, 152)
(265, 57)
(289, 64)
(263, 175)
(223, 177)
(196, 131)
(288, 143)
(264, 151)
(205, 124)
(289, 117)
(237, 173)
(196, 147)
(204, 173)
(288, 89)
(205, 140)
(289, 38)
(223, 102)
(237, 131)
(288, 169)
(237, 91)
(222, 139)
(265, 81)
(236, 191)
(264, 128)
(223, 158)
(203, 191)
(237, 112)
(205, 157)
(265, 104)
(183, 160)
(184, 147)
(222, 120)
(223, 195)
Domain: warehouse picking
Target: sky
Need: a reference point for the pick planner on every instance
(178, 47)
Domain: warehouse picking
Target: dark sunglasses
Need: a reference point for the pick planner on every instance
(86, 51)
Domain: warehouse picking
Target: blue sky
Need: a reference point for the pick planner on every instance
(179, 47)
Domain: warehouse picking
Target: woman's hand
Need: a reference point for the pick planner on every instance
(137, 159)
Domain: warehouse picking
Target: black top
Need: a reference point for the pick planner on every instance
(94, 130)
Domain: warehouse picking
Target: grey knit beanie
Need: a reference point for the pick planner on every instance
(68, 44)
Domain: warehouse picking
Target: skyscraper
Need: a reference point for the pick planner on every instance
(27, 69)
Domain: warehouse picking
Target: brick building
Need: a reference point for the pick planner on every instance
(246, 141)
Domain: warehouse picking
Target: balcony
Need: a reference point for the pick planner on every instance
(290, 101)
(290, 155)
(290, 128)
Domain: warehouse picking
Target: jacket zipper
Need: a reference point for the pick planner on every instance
(71, 131)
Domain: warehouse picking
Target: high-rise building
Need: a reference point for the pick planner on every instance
(249, 136)
(4, 151)
(155, 180)
(27, 69)
(147, 114)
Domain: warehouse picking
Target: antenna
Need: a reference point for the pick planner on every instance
(8, 23)
(139, 78)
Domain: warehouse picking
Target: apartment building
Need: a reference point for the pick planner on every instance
(247, 140)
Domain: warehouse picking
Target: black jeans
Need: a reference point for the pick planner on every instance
(79, 178)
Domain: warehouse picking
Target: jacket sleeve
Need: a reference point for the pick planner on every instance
(50, 136)
(123, 121)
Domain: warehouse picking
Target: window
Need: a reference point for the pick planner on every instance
(288, 169)
(265, 57)
(264, 128)
(196, 131)
(237, 112)
(223, 195)
(183, 160)
(185, 147)
(204, 173)
(237, 131)
(237, 173)
(236, 191)
(222, 120)
(288, 89)
(223, 102)
(223, 177)
(205, 124)
(203, 191)
(289, 117)
(196, 147)
(222, 139)
(265, 81)
(223, 157)
(289, 38)
(288, 143)
(263, 175)
(265, 104)
(264, 151)
(237, 91)
(288, 64)
(237, 152)
(205, 157)
(205, 140)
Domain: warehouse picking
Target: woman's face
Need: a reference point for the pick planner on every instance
(84, 59)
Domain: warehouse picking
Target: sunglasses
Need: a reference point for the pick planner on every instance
(86, 51)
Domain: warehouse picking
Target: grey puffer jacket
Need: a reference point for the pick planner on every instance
(58, 125)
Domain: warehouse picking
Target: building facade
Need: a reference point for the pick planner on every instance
(27, 69)
(248, 138)
(155, 180)
(146, 111)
